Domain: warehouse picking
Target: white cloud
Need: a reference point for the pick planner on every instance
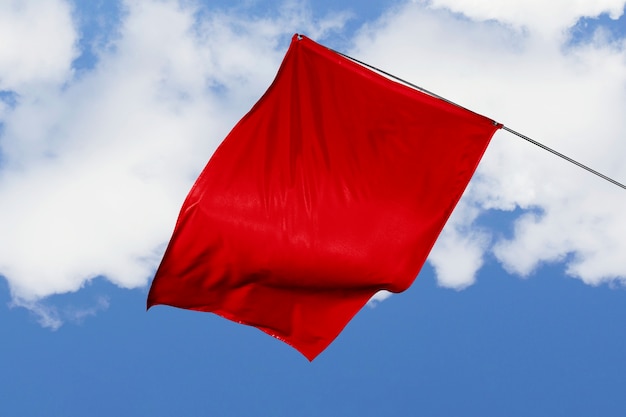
(378, 297)
(29, 56)
(93, 169)
(570, 98)
(536, 15)
(458, 253)
(51, 317)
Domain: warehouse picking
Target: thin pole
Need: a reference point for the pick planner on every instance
(567, 158)
(526, 138)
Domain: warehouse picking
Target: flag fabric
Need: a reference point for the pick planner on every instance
(334, 186)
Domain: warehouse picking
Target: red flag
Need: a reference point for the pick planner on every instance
(334, 186)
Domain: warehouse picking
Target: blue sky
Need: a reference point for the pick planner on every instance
(108, 111)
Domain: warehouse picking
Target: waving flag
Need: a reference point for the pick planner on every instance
(334, 186)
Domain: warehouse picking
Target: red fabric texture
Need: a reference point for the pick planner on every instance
(334, 186)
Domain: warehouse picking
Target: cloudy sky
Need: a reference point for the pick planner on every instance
(109, 109)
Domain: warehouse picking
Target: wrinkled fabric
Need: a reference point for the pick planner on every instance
(334, 186)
